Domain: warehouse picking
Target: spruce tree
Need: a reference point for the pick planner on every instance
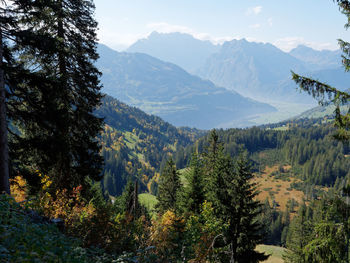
(194, 195)
(297, 237)
(4, 165)
(14, 76)
(232, 194)
(212, 176)
(58, 126)
(168, 188)
(245, 231)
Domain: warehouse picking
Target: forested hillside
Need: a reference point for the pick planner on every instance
(136, 145)
(307, 145)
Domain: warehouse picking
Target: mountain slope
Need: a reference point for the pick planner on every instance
(136, 144)
(253, 69)
(168, 91)
(181, 49)
(263, 72)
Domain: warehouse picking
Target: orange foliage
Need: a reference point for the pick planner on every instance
(67, 206)
(166, 234)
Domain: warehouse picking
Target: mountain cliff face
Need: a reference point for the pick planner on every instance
(168, 91)
(255, 70)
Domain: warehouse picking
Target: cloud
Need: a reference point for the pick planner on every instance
(255, 26)
(288, 43)
(163, 27)
(254, 10)
(270, 21)
(120, 42)
(117, 41)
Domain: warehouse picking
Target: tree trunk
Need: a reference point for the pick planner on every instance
(232, 260)
(4, 156)
(135, 197)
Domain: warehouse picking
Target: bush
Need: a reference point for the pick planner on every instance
(22, 239)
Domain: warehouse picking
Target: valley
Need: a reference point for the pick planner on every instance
(218, 132)
(244, 89)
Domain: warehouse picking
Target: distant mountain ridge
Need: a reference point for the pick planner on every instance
(253, 69)
(168, 91)
(260, 71)
(318, 60)
(181, 49)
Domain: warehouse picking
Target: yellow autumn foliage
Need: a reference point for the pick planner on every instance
(18, 187)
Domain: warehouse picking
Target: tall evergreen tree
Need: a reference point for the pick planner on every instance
(212, 177)
(194, 195)
(297, 237)
(244, 231)
(59, 128)
(4, 166)
(13, 73)
(168, 188)
(232, 195)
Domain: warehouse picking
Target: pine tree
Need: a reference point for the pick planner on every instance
(59, 127)
(14, 76)
(194, 195)
(168, 188)
(297, 237)
(232, 195)
(245, 231)
(212, 173)
(4, 165)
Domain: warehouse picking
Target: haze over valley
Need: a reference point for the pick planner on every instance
(174, 131)
(238, 83)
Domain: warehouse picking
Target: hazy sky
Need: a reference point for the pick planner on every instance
(285, 23)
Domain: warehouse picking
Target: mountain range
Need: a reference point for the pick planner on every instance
(166, 90)
(191, 82)
(317, 60)
(181, 49)
(260, 71)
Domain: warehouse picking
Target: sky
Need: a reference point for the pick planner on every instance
(284, 23)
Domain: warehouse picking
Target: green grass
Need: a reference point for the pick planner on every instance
(130, 140)
(275, 252)
(149, 201)
(183, 178)
(281, 128)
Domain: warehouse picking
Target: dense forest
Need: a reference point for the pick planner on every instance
(137, 145)
(73, 163)
(307, 145)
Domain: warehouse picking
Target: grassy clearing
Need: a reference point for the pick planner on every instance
(275, 252)
(148, 200)
(282, 128)
(277, 189)
(131, 140)
(182, 173)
